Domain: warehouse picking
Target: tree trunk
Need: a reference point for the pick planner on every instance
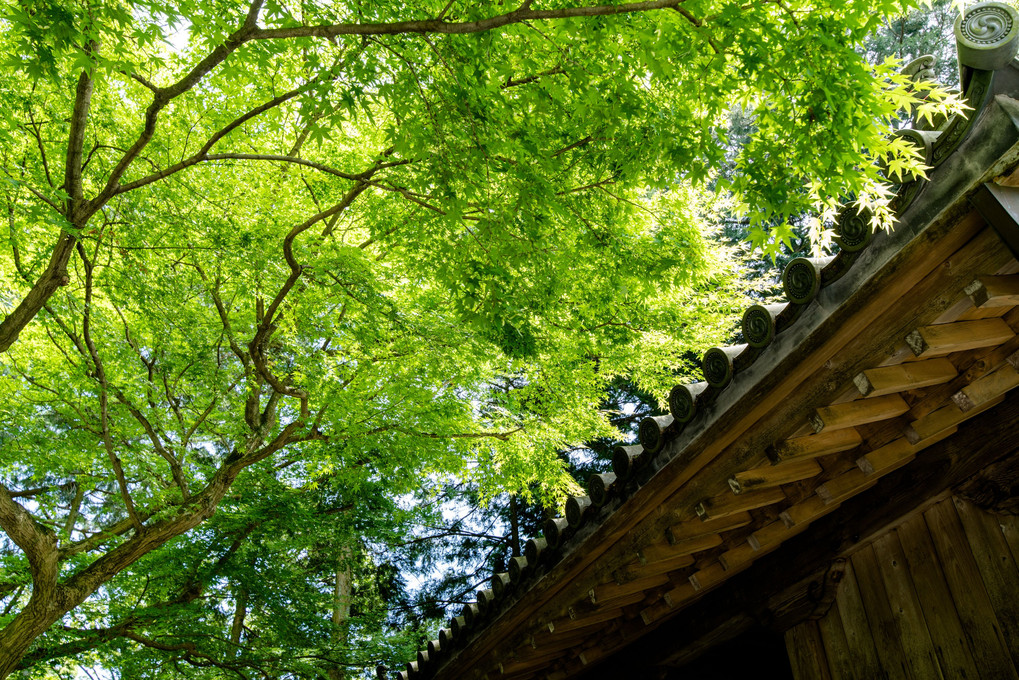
(53, 278)
(514, 526)
(341, 608)
(17, 636)
(240, 611)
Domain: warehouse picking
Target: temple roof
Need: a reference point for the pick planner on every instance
(881, 352)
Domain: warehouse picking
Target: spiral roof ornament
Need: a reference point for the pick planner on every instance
(987, 35)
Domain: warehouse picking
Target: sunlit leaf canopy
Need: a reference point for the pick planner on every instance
(373, 245)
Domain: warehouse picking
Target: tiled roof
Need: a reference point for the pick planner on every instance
(880, 352)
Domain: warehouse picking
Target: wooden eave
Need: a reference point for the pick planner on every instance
(618, 578)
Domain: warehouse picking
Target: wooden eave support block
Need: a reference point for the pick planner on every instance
(729, 504)
(670, 600)
(772, 534)
(804, 512)
(876, 382)
(607, 592)
(560, 627)
(994, 291)
(947, 417)
(737, 556)
(847, 484)
(946, 338)
(656, 611)
(663, 552)
(887, 458)
(710, 575)
(637, 570)
(791, 522)
(990, 387)
(859, 412)
(590, 655)
(895, 454)
(685, 531)
(814, 445)
(770, 476)
(872, 466)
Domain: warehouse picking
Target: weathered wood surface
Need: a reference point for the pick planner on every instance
(946, 463)
(1010, 530)
(941, 339)
(849, 483)
(859, 638)
(642, 569)
(988, 388)
(806, 652)
(945, 419)
(841, 663)
(890, 455)
(884, 624)
(932, 597)
(860, 412)
(659, 552)
(767, 476)
(954, 655)
(607, 592)
(997, 569)
(814, 445)
(696, 528)
(728, 504)
(738, 555)
(994, 291)
(876, 382)
(975, 609)
(618, 530)
(910, 622)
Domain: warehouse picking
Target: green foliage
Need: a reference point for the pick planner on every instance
(318, 267)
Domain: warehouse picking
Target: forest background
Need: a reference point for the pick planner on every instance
(311, 313)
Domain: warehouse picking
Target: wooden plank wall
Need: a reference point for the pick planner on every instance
(937, 596)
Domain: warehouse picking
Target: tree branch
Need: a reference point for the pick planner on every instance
(162, 96)
(100, 372)
(35, 540)
(202, 154)
(441, 26)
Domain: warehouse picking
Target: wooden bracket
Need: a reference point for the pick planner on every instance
(999, 206)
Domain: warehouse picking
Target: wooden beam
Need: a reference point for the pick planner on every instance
(696, 528)
(849, 483)
(792, 521)
(804, 512)
(945, 418)
(944, 465)
(769, 476)
(999, 205)
(994, 291)
(709, 576)
(863, 321)
(560, 627)
(640, 570)
(876, 382)
(945, 338)
(988, 388)
(814, 445)
(859, 412)
(591, 654)
(883, 459)
(729, 504)
(738, 555)
(606, 592)
(806, 652)
(660, 552)
(879, 462)
(772, 534)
